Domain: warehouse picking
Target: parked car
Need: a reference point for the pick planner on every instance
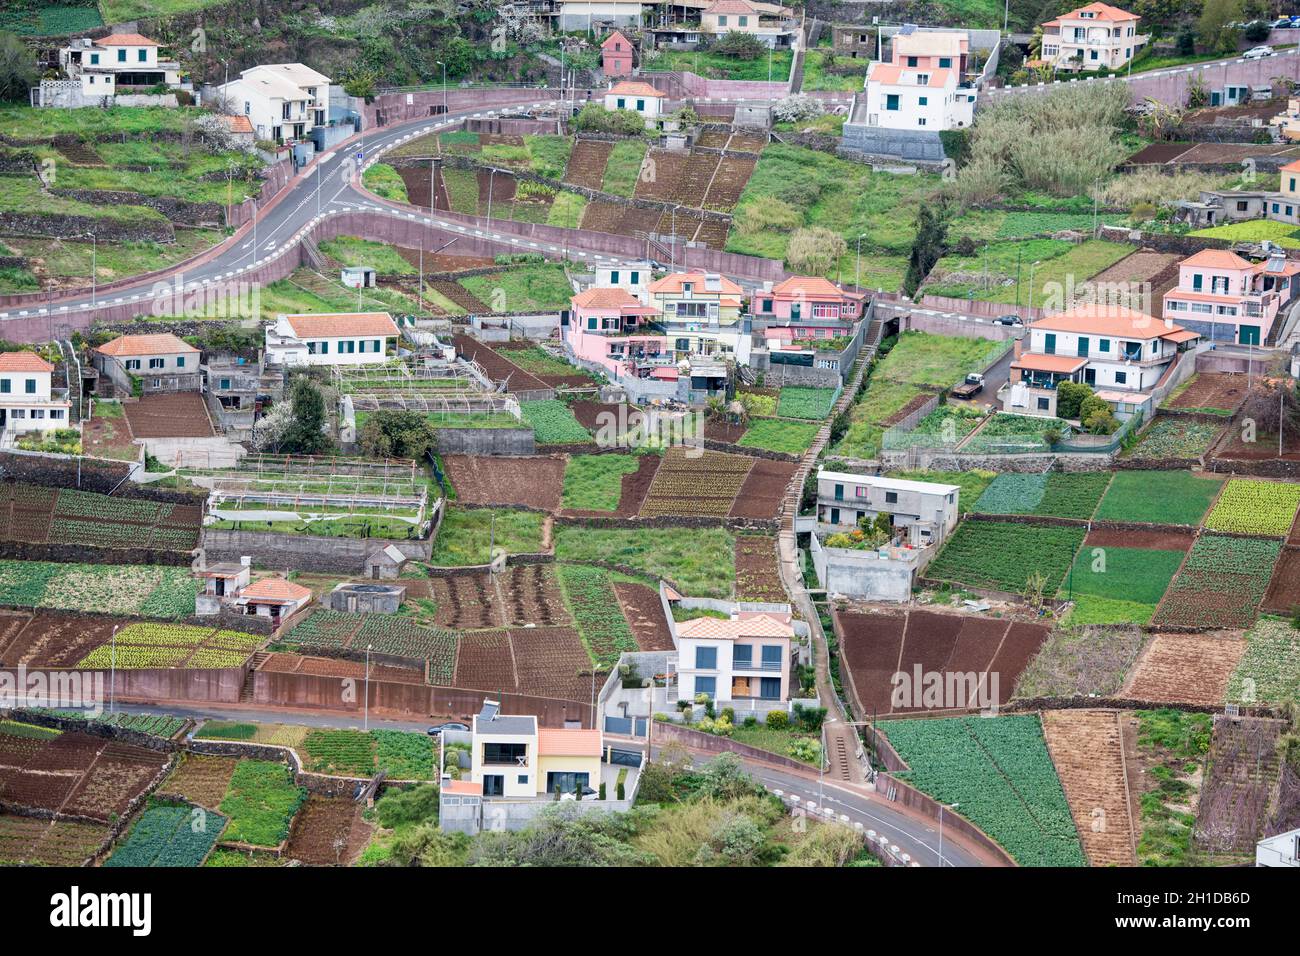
(1257, 53)
(973, 385)
(1010, 319)
(437, 729)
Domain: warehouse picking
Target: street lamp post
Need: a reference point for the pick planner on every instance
(491, 179)
(444, 86)
(941, 809)
(366, 702)
(1032, 267)
(94, 265)
(112, 669)
(857, 274)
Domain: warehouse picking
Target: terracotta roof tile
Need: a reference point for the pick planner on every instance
(554, 742)
(630, 88)
(126, 39)
(716, 628)
(1216, 259)
(1063, 364)
(23, 361)
(673, 283)
(275, 589)
(160, 343)
(808, 286)
(608, 298)
(1107, 320)
(329, 325)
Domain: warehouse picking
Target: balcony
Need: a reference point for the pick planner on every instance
(768, 666)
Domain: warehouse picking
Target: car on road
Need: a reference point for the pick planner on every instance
(1009, 319)
(1257, 53)
(972, 386)
(437, 729)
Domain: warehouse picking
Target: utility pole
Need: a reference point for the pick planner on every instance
(366, 702)
(112, 670)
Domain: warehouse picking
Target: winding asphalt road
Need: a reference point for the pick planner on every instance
(912, 834)
(326, 188)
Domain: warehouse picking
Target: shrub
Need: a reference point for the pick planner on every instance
(778, 720)
(796, 109)
(1069, 397)
(739, 46)
(814, 251)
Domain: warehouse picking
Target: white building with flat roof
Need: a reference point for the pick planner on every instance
(1280, 850)
(925, 511)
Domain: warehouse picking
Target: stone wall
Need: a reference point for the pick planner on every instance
(291, 552)
(485, 441)
(176, 210)
(59, 226)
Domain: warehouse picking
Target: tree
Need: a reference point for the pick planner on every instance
(1271, 400)
(391, 434)
(814, 251)
(739, 46)
(927, 248)
(1097, 417)
(1069, 396)
(1216, 26)
(17, 73)
(360, 81)
(305, 432)
(1185, 44)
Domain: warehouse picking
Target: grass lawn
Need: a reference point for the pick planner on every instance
(522, 288)
(467, 535)
(847, 198)
(718, 67)
(548, 155)
(1284, 234)
(24, 122)
(1056, 262)
(776, 741)
(624, 166)
(60, 258)
(553, 423)
(22, 194)
(1164, 497)
(832, 124)
(815, 76)
(380, 256)
(1056, 495)
(566, 210)
(700, 561)
(773, 434)
(540, 362)
(118, 11)
(1118, 585)
(384, 181)
(462, 190)
(594, 482)
(306, 291)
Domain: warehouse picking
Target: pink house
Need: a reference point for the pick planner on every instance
(602, 327)
(616, 56)
(1221, 295)
(807, 299)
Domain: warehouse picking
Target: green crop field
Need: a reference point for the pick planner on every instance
(623, 167)
(1118, 585)
(1000, 772)
(589, 594)
(261, 802)
(1001, 555)
(1161, 497)
(774, 434)
(1056, 495)
(147, 590)
(1270, 669)
(1255, 507)
(553, 423)
(797, 401)
(466, 535)
(1173, 438)
(167, 835)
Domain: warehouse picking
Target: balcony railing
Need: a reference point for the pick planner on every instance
(751, 666)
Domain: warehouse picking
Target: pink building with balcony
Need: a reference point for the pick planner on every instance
(602, 329)
(1230, 299)
(806, 299)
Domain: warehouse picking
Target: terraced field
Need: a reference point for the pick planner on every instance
(1088, 751)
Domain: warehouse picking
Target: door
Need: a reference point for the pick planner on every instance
(835, 516)
(1089, 376)
(1248, 334)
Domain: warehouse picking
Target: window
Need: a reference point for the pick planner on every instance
(1198, 281)
(706, 658)
(891, 497)
(378, 346)
(522, 779)
(742, 656)
(121, 56)
(18, 413)
(1103, 345)
(180, 361)
(591, 324)
(722, 21)
(633, 278)
(1083, 346)
(925, 101)
(923, 79)
(945, 62)
(1049, 343)
(94, 61)
(142, 56)
(132, 365)
(771, 656)
(494, 785)
(505, 753)
(4, 386)
(839, 492)
(911, 61)
(891, 101)
(621, 103)
(707, 686)
(324, 348)
(284, 111)
(156, 363)
(56, 413)
(1292, 186)
(640, 105)
(860, 492)
(30, 386)
(1121, 378)
(1043, 404)
(744, 21)
(613, 277)
(920, 121)
(224, 384)
(769, 688)
(1275, 207)
(38, 413)
(567, 781)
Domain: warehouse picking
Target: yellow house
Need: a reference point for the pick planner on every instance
(512, 757)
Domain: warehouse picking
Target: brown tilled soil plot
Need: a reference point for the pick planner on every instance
(1158, 153)
(589, 414)
(764, 487)
(461, 296)
(466, 601)
(875, 646)
(1233, 806)
(1220, 390)
(729, 183)
(1185, 668)
(1216, 153)
(485, 661)
(1154, 540)
(552, 662)
(284, 663)
(532, 596)
(645, 615)
(1160, 269)
(608, 217)
(179, 415)
(721, 431)
(328, 831)
(497, 366)
(757, 575)
(200, 779)
(52, 639)
(442, 261)
(1088, 752)
(587, 163)
(534, 482)
(1283, 593)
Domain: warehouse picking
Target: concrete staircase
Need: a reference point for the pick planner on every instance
(246, 692)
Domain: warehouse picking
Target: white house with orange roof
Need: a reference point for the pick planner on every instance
(274, 597)
(118, 63)
(636, 96)
(1095, 37)
(331, 338)
(28, 403)
(160, 362)
(741, 658)
(1225, 297)
(1121, 352)
(928, 99)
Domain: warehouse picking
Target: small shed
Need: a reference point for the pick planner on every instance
(385, 563)
(358, 277)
